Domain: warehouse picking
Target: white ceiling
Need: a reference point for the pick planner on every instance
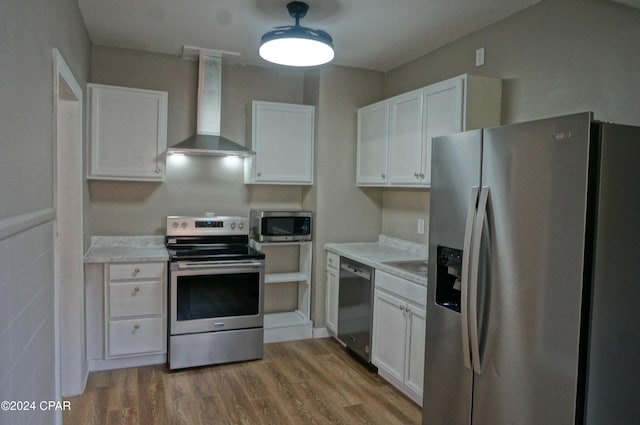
(370, 34)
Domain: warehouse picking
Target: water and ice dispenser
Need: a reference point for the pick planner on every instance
(448, 275)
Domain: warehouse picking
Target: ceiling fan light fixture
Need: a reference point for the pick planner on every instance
(296, 45)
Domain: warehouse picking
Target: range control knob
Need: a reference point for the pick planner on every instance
(184, 224)
(233, 226)
(175, 225)
(240, 226)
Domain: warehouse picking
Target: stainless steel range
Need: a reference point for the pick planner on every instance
(216, 292)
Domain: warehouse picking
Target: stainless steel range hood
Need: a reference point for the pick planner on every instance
(207, 140)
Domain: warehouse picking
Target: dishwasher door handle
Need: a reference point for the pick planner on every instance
(360, 273)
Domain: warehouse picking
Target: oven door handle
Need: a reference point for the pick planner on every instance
(218, 264)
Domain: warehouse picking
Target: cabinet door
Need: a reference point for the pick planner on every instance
(442, 115)
(283, 141)
(128, 133)
(373, 144)
(332, 300)
(389, 334)
(416, 328)
(405, 139)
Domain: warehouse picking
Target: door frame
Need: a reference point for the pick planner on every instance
(67, 157)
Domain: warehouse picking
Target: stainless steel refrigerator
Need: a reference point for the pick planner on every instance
(534, 275)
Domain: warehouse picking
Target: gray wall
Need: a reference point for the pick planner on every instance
(556, 57)
(344, 213)
(194, 185)
(28, 32)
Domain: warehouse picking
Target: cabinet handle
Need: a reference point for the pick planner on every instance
(408, 310)
(135, 328)
(401, 308)
(136, 270)
(136, 290)
(383, 175)
(258, 174)
(422, 175)
(416, 175)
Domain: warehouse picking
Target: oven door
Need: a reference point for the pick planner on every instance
(216, 296)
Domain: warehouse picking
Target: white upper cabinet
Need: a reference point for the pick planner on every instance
(127, 132)
(442, 114)
(458, 104)
(373, 144)
(282, 136)
(405, 139)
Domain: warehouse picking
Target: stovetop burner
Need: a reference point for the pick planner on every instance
(214, 252)
(209, 239)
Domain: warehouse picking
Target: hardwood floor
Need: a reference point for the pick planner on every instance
(300, 382)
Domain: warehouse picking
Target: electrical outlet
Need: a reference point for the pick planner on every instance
(421, 226)
(480, 56)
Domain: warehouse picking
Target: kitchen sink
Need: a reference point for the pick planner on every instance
(418, 267)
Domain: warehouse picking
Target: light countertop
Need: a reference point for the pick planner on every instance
(375, 254)
(120, 249)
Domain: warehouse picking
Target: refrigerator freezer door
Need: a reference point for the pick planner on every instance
(531, 271)
(613, 384)
(447, 383)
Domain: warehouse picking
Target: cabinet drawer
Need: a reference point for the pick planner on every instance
(413, 292)
(136, 336)
(135, 298)
(127, 271)
(333, 260)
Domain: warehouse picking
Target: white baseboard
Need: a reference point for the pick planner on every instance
(320, 333)
(100, 364)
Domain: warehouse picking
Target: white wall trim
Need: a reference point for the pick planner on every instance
(23, 222)
(321, 333)
(67, 143)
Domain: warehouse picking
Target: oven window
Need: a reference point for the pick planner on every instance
(217, 296)
(285, 226)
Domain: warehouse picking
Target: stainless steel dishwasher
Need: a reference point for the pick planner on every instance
(355, 307)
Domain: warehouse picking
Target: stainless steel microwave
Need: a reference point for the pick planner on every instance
(280, 226)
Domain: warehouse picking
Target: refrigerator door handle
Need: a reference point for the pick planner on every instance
(464, 284)
(473, 279)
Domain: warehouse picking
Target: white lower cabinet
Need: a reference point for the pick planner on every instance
(135, 319)
(399, 320)
(135, 336)
(332, 288)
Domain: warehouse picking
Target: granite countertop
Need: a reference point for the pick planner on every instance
(121, 249)
(376, 254)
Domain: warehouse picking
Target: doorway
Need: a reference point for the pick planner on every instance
(71, 363)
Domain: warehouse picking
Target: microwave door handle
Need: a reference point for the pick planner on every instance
(464, 284)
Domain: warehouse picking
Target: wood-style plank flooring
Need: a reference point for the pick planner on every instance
(300, 382)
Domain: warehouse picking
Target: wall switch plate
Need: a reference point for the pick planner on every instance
(421, 226)
(480, 56)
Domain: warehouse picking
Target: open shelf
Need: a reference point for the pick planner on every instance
(296, 324)
(287, 326)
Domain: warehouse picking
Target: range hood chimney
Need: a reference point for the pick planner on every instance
(207, 140)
